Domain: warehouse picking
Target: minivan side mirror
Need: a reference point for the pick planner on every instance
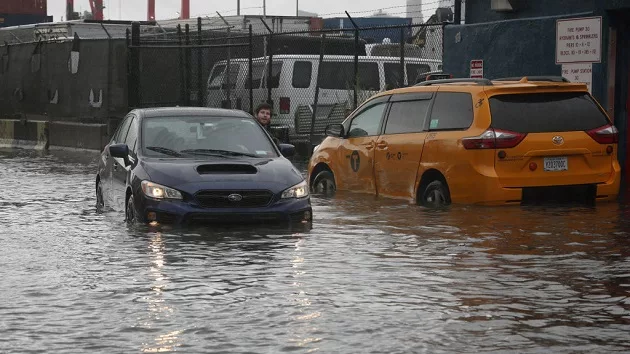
(120, 151)
(335, 130)
(287, 150)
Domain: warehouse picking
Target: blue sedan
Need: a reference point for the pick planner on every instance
(199, 165)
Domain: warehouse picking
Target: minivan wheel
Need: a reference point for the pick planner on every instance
(130, 211)
(435, 195)
(324, 184)
(100, 202)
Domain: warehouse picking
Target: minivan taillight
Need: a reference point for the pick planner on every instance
(285, 105)
(607, 134)
(494, 139)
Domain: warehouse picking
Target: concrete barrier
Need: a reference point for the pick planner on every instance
(25, 134)
(78, 135)
(43, 135)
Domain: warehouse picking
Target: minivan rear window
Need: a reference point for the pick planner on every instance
(338, 76)
(546, 112)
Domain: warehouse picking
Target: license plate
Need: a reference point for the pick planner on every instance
(556, 164)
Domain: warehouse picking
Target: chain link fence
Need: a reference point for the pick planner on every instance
(311, 78)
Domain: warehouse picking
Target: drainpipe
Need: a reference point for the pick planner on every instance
(458, 12)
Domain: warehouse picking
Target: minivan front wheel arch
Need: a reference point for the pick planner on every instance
(433, 190)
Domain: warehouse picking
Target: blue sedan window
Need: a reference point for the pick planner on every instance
(199, 135)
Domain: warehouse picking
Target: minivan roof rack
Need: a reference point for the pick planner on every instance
(535, 78)
(481, 82)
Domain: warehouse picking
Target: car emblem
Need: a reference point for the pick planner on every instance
(235, 197)
(558, 140)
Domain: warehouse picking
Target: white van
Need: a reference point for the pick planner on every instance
(293, 80)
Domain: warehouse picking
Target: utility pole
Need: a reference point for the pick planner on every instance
(264, 8)
(297, 7)
(238, 7)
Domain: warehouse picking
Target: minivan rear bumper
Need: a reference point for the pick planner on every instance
(491, 193)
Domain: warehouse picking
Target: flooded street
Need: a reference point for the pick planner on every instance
(372, 276)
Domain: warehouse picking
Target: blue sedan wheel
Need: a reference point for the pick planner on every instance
(131, 216)
(100, 202)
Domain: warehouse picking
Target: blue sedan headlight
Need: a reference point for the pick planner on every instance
(157, 191)
(298, 191)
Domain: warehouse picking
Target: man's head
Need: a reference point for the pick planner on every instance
(263, 114)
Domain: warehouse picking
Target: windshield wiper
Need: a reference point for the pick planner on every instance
(214, 152)
(165, 151)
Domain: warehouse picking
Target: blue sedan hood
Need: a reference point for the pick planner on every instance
(192, 175)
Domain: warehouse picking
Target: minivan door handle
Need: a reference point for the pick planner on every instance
(382, 145)
(369, 145)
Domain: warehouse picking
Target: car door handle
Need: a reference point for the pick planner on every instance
(382, 145)
(369, 145)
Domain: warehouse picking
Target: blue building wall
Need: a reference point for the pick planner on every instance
(8, 20)
(373, 36)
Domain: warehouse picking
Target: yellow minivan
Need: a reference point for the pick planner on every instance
(474, 141)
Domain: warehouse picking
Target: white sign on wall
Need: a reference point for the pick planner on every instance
(580, 72)
(579, 40)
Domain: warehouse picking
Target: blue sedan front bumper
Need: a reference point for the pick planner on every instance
(189, 212)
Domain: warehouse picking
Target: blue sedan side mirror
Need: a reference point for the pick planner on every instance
(120, 151)
(287, 150)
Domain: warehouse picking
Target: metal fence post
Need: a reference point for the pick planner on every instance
(109, 73)
(355, 79)
(317, 83)
(401, 82)
(228, 66)
(134, 65)
(250, 77)
(270, 68)
(182, 72)
(200, 91)
(188, 66)
(128, 42)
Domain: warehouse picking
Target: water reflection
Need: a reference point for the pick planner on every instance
(159, 309)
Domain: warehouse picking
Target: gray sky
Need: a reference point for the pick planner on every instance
(166, 9)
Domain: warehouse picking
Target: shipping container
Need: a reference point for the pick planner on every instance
(23, 7)
(9, 20)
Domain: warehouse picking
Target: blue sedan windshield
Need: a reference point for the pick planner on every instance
(205, 136)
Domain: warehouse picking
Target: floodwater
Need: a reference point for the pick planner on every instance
(372, 276)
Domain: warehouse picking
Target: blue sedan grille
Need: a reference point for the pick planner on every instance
(234, 199)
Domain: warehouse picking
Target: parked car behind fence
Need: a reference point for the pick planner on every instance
(294, 81)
